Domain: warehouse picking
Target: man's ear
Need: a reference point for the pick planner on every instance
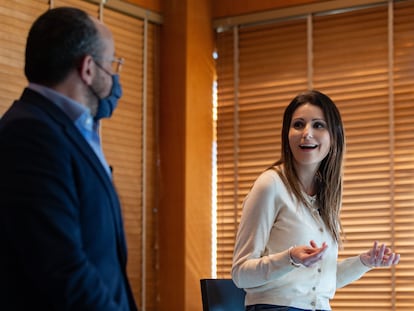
(87, 69)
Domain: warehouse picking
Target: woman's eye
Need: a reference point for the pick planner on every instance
(319, 125)
(297, 124)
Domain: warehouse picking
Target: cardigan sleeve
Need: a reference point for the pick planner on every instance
(349, 270)
(251, 268)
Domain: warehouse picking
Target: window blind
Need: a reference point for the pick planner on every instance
(246, 133)
(362, 58)
(403, 85)
(351, 65)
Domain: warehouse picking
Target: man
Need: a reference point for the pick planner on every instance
(61, 232)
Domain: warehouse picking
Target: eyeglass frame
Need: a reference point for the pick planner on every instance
(119, 62)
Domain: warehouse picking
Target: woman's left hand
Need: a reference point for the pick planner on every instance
(379, 256)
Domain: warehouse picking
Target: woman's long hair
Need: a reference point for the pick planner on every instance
(329, 174)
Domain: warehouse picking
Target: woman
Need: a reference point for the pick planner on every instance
(286, 249)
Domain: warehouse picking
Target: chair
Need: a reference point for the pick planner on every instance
(221, 295)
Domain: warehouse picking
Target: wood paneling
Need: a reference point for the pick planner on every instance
(226, 8)
(152, 5)
(185, 153)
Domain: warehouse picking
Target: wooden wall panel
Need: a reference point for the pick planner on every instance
(185, 152)
(226, 8)
(152, 5)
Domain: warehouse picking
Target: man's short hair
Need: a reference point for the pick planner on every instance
(57, 42)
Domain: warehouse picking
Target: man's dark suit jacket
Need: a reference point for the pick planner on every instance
(61, 233)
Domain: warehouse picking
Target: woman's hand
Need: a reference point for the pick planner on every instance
(379, 256)
(307, 255)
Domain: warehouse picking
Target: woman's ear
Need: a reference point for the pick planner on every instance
(87, 69)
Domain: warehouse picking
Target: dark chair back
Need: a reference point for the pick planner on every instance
(221, 295)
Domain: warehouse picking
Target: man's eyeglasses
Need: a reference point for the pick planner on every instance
(116, 64)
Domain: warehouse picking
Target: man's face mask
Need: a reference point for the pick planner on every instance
(107, 105)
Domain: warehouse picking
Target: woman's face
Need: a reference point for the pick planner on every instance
(309, 138)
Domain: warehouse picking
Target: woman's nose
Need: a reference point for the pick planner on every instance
(307, 132)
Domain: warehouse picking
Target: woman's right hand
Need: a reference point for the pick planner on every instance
(307, 255)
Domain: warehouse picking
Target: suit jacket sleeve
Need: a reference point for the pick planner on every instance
(40, 200)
